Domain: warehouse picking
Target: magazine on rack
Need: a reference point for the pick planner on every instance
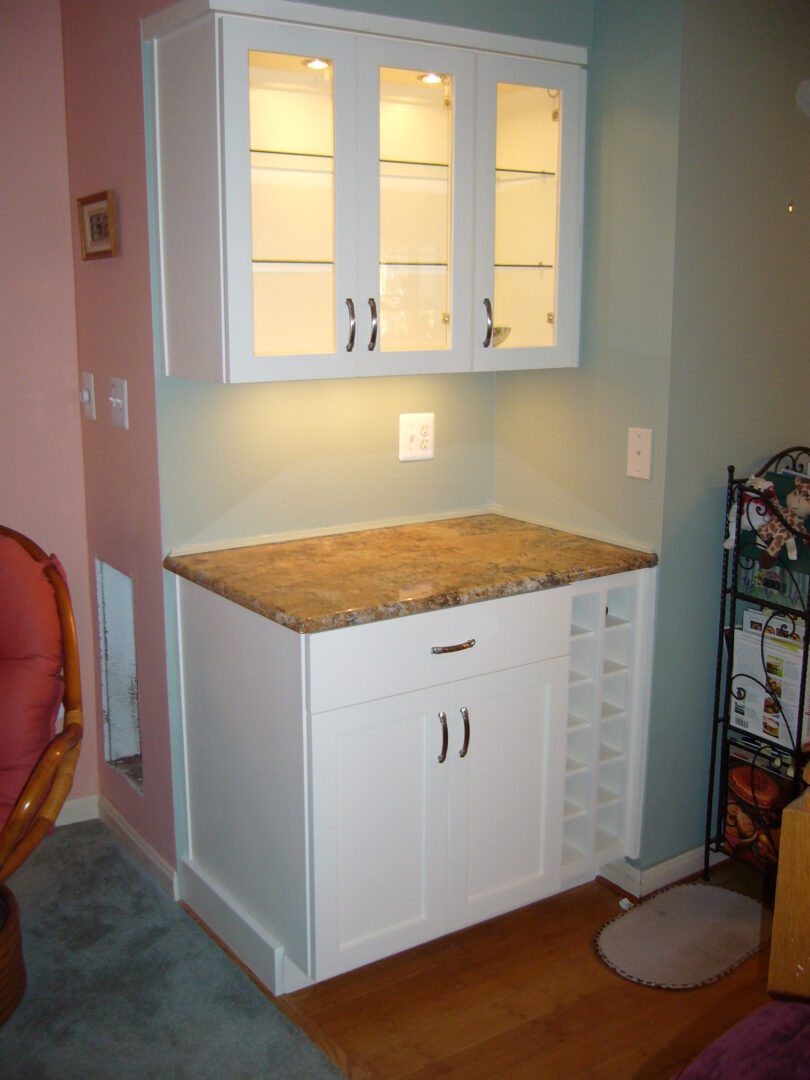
(769, 714)
(763, 620)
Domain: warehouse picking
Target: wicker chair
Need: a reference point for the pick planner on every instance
(34, 809)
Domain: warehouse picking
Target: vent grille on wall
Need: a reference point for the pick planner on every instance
(119, 678)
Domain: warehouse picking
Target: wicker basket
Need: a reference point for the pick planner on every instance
(12, 968)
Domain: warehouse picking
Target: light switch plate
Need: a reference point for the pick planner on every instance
(639, 453)
(119, 408)
(416, 436)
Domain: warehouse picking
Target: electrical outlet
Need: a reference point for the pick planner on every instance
(639, 453)
(416, 436)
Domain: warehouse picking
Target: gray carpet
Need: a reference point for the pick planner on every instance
(123, 983)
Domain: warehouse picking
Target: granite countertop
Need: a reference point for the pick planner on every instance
(344, 579)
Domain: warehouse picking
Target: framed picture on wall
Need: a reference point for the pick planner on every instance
(98, 225)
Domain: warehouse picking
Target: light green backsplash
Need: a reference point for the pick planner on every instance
(244, 461)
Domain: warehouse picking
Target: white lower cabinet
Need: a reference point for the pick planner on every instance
(355, 792)
(435, 809)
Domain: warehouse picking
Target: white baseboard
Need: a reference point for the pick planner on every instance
(84, 808)
(640, 883)
(161, 871)
(248, 942)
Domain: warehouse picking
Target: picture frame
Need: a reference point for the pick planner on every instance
(98, 225)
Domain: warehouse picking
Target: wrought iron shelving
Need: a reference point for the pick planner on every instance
(756, 769)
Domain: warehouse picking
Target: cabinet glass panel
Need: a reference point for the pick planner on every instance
(527, 154)
(416, 139)
(292, 202)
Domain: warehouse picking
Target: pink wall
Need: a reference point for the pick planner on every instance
(105, 134)
(41, 477)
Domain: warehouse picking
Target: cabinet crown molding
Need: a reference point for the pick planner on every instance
(290, 11)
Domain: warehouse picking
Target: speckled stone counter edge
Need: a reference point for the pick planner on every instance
(345, 579)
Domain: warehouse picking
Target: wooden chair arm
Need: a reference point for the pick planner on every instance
(38, 806)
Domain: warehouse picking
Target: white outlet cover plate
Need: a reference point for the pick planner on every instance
(639, 453)
(417, 432)
(119, 406)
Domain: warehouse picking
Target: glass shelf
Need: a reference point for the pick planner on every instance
(434, 265)
(276, 152)
(293, 262)
(523, 172)
(410, 161)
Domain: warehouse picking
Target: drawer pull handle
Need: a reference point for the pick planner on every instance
(468, 644)
(443, 754)
(465, 716)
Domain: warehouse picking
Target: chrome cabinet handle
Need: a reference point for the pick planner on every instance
(488, 335)
(462, 645)
(465, 716)
(443, 721)
(372, 303)
(352, 324)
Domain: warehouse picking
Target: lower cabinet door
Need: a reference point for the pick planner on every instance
(435, 809)
(507, 792)
(379, 830)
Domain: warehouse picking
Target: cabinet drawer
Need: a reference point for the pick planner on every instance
(375, 660)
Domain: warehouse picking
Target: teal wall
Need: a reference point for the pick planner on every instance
(561, 436)
(567, 21)
(740, 351)
(696, 323)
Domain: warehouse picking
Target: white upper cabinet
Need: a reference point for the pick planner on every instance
(331, 203)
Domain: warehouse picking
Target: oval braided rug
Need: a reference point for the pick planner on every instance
(684, 936)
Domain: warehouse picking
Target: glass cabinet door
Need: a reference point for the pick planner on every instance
(415, 190)
(529, 195)
(416, 151)
(292, 182)
(527, 162)
(290, 154)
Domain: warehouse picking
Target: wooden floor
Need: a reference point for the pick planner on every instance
(524, 995)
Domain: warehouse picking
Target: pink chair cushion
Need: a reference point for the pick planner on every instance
(30, 664)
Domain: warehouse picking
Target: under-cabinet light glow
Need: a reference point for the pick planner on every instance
(316, 64)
